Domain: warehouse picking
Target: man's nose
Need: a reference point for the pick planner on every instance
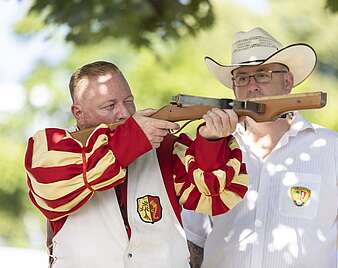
(123, 112)
(252, 85)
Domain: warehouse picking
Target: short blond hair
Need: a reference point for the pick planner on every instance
(90, 70)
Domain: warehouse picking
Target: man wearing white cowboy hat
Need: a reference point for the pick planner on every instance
(288, 217)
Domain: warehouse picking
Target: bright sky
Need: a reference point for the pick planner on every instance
(19, 55)
(259, 6)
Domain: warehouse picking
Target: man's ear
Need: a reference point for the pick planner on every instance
(77, 112)
(288, 82)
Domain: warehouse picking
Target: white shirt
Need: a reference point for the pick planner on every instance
(267, 229)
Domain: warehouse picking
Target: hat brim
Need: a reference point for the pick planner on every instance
(300, 58)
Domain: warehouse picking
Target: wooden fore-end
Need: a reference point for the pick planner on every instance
(176, 113)
(277, 105)
(274, 106)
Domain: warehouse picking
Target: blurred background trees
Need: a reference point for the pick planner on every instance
(137, 21)
(159, 45)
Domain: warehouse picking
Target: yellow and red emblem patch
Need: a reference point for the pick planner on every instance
(300, 195)
(149, 208)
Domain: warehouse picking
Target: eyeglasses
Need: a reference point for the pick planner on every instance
(242, 80)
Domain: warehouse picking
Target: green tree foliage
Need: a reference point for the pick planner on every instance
(90, 21)
(332, 5)
(13, 198)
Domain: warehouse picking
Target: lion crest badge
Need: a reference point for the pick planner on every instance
(149, 208)
(300, 195)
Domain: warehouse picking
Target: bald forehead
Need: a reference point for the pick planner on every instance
(90, 86)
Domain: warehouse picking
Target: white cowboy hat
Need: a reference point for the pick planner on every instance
(257, 47)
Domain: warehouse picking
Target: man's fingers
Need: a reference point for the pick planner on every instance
(157, 139)
(147, 122)
(154, 129)
(216, 119)
(233, 119)
(159, 132)
(155, 144)
(241, 119)
(219, 123)
(208, 121)
(165, 124)
(147, 112)
(224, 117)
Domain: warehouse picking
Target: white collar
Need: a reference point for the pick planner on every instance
(298, 124)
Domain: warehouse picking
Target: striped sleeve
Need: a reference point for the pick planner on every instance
(62, 174)
(209, 176)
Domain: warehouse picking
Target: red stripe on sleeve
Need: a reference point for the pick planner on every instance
(56, 142)
(164, 155)
(129, 142)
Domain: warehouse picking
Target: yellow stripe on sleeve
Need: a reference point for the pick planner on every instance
(178, 187)
(204, 205)
(55, 190)
(180, 150)
(221, 176)
(68, 206)
(233, 144)
(185, 194)
(242, 179)
(44, 158)
(116, 178)
(199, 182)
(39, 147)
(235, 164)
(65, 207)
(230, 199)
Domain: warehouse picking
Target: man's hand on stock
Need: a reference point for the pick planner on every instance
(154, 129)
(219, 124)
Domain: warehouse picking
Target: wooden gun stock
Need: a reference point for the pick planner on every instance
(273, 107)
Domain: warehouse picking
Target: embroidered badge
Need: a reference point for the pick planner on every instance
(300, 195)
(149, 208)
